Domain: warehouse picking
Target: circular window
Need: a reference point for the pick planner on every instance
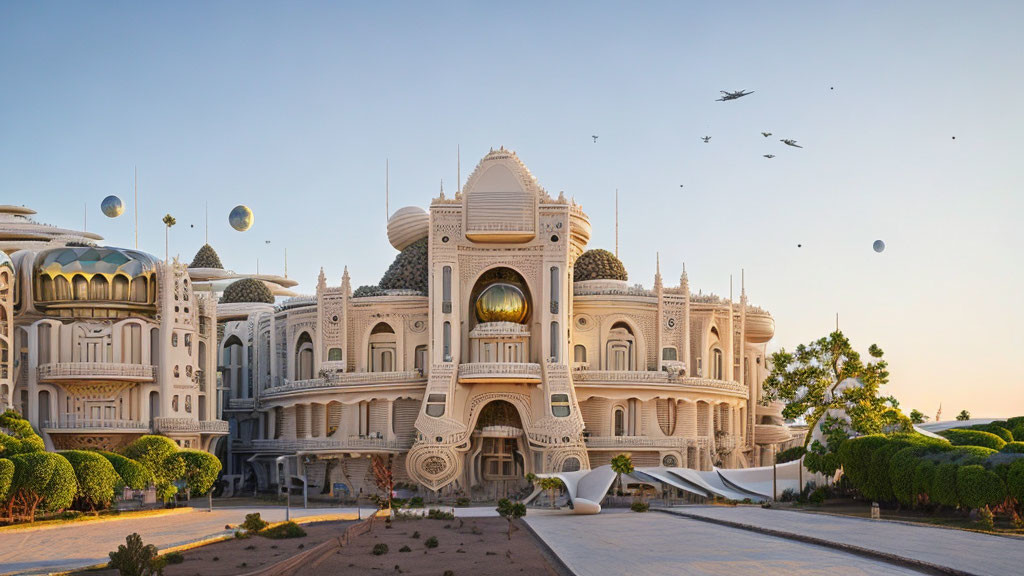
(565, 439)
(554, 237)
(671, 322)
(444, 239)
(571, 464)
(334, 318)
(439, 439)
(669, 461)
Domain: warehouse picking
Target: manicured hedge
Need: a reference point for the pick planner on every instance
(158, 453)
(96, 478)
(965, 437)
(944, 486)
(924, 477)
(1018, 432)
(977, 487)
(43, 480)
(133, 474)
(1013, 448)
(995, 428)
(22, 438)
(6, 475)
(201, 469)
(790, 454)
(1015, 481)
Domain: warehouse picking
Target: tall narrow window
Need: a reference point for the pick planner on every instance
(447, 348)
(555, 289)
(579, 354)
(554, 342)
(620, 422)
(716, 364)
(446, 290)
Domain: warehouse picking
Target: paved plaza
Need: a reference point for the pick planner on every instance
(655, 544)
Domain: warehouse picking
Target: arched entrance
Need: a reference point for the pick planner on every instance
(498, 454)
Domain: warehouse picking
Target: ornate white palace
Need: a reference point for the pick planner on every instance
(494, 346)
(101, 345)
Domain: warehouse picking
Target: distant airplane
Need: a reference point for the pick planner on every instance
(789, 142)
(706, 139)
(733, 95)
(766, 134)
(769, 155)
(799, 245)
(595, 139)
(680, 185)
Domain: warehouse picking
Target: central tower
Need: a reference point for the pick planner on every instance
(500, 402)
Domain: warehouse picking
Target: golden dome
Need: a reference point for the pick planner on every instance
(501, 302)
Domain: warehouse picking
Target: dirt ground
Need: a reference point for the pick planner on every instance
(466, 547)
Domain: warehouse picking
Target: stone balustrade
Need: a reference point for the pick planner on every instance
(291, 446)
(500, 370)
(218, 427)
(674, 442)
(241, 403)
(96, 371)
(173, 424)
(72, 422)
(656, 377)
(342, 379)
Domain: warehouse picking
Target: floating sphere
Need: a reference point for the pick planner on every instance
(241, 218)
(407, 226)
(112, 207)
(879, 246)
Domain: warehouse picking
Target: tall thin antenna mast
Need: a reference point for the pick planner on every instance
(837, 321)
(207, 223)
(616, 222)
(136, 207)
(286, 262)
(458, 170)
(387, 189)
(85, 217)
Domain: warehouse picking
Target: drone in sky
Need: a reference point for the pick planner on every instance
(789, 142)
(766, 134)
(769, 156)
(595, 139)
(706, 139)
(733, 95)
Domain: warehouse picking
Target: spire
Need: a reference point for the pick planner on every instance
(321, 280)
(616, 222)
(387, 189)
(458, 169)
(657, 272)
(346, 286)
(743, 285)
(684, 280)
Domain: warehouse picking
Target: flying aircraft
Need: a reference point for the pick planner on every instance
(789, 142)
(706, 139)
(595, 139)
(733, 95)
(769, 156)
(766, 134)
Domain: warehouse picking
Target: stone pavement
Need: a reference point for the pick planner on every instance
(967, 552)
(78, 545)
(655, 544)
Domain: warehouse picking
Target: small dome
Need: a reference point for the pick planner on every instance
(501, 302)
(407, 226)
(598, 265)
(206, 257)
(247, 290)
(409, 271)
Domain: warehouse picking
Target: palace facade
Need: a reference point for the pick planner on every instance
(496, 345)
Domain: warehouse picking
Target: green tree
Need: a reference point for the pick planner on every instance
(41, 480)
(808, 381)
(550, 484)
(963, 415)
(20, 438)
(918, 417)
(6, 475)
(510, 511)
(168, 222)
(621, 464)
(133, 474)
(160, 455)
(201, 470)
(96, 478)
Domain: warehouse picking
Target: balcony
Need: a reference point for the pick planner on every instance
(86, 371)
(771, 434)
(654, 378)
(281, 446)
(216, 427)
(162, 425)
(345, 379)
(72, 423)
(241, 404)
(500, 372)
(621, 442)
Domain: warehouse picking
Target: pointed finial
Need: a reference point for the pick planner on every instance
(743, 284)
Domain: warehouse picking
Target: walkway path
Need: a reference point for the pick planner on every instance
(655, 544)
(76, 546)
(967, 552)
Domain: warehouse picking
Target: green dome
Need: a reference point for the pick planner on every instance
(367, 291)
(247, 290)
(206, 257)
(409, 271)
(598, 265)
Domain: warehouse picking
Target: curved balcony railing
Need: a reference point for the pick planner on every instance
(642, 442)
(96, 371)
(173, 424)
(771, 434)
(342, 379)
(500, 371)
(71, 422)
(655, 377)
(218, 427)
(323, 444)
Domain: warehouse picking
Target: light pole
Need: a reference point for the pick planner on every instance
(288, 487)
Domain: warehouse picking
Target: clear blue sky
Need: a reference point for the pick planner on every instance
(292, 109)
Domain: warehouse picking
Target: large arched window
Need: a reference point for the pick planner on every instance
(621, 348)
(383, 348)
(304, 357)
(233, 350)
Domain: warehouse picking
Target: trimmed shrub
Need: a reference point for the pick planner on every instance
(1018, 432)
(96, 478)
(994, 428)
(6, 475)
(638, 506)
(1013, 448)
(247, 290)
(254, 523)
(790, 454)
(173, 558)
(944, 485)
(924, 478)
(42, 480)
(22, 438)
(855, 457)
(1014, 422)
(160, 455)
(965, 437)
(380, 549)
(977, 487)
(282, 531)
(903, 473)
(133, 474)
(1015, 481)
(430, 542)
(201, 470)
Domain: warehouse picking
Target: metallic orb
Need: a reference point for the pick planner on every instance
(241, 218)
(112, 207)
(879, 246)
(501, 302)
